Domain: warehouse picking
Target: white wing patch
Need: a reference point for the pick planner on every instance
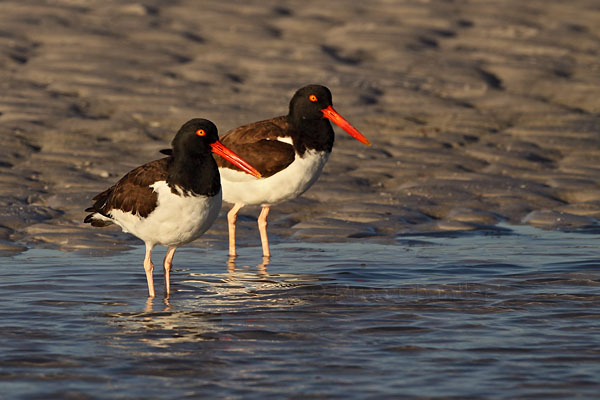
(285, 139)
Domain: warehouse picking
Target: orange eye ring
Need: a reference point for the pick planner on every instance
(200, 132)
(312, 98)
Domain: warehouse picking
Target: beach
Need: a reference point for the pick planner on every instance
(454, 258)
(478, 112)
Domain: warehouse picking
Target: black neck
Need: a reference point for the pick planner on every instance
(196, 174)
(311, 134)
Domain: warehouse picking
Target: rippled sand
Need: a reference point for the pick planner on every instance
(478, 112)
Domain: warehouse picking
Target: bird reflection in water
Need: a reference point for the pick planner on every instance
(150, 304)
(261, 268)
(235, 273)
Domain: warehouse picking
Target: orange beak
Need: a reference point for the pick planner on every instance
(218, 148)
(337, 119)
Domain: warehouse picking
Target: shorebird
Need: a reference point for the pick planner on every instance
(170, 201)
(289, 151)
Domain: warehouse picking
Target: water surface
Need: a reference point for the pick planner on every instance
(511, 314)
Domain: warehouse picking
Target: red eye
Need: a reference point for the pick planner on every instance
(200, 132)
(312, 98)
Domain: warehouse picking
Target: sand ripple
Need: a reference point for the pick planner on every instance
(478, 112)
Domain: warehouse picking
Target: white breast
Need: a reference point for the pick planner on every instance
(291, 182)
(176, 220)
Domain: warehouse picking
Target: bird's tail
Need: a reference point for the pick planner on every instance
(98, 216)
(96, 219)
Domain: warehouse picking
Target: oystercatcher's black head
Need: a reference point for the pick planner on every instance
(308, 102)
(195, 137)
(313, 103)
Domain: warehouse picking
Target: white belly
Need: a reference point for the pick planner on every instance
(291, 182)
(176, 220)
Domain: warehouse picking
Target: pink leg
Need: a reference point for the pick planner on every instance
(262, 228)
(149, 267)
(168, 263)
(231, 220)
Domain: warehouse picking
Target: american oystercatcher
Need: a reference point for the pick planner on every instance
(170, 201)
(289, 151)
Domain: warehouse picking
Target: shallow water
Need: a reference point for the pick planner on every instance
(511, 315)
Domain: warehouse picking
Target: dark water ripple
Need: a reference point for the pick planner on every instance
(510, 316)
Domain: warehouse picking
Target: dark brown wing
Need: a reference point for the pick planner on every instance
(257, 144)
(133, 192)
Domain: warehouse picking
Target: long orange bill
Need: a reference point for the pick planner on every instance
(218, 148)
(337, 119)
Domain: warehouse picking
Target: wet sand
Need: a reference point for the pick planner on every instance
(479, 112)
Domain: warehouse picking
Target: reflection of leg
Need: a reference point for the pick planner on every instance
(167, 264)
(149, 304)
(149, 267)
(231, 220)
(262, 228)
(231, 264)
(262, 268)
